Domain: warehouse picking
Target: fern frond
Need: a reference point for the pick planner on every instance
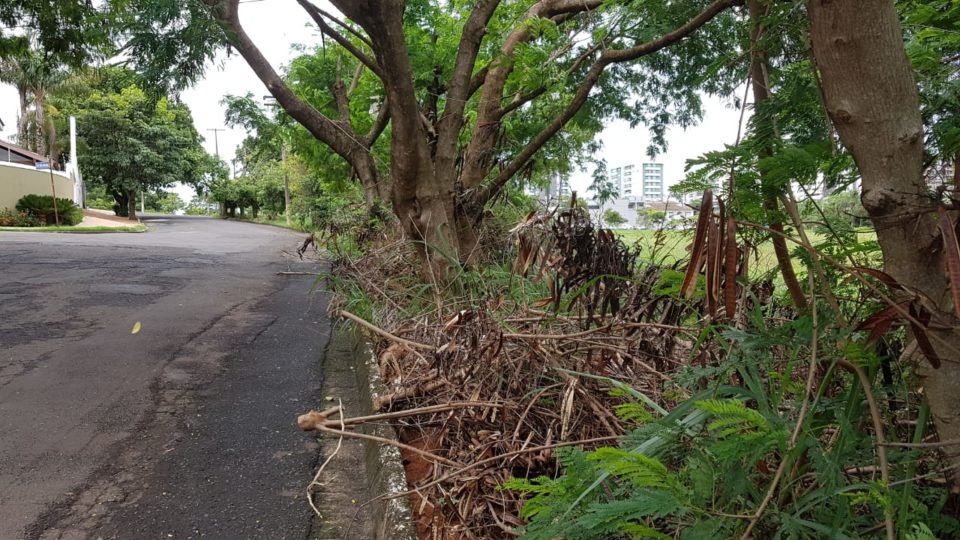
(641, 470)
(733, 417)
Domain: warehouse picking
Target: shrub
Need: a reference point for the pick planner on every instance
(14, 218)
(41, 207)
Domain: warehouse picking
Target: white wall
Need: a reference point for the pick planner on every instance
(19, 180)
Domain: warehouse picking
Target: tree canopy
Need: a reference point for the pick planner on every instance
(130, 141)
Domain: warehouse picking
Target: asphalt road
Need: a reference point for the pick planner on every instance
(185, 429)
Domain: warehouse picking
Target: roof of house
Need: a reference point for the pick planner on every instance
(23, 155)
(667, 206)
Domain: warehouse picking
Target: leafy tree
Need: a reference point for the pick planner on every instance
(34, 75)
(163, 202)
(71, 30)
(603, 190)
(613, 218)
(650, 217)
(475, 92)
(131, 142)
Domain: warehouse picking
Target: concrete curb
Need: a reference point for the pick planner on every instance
(362, 470)
(385, 472)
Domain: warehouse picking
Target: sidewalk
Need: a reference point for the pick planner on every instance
(93, 217)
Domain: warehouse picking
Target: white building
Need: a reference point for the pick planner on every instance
(623, 178)
(556, 190)
(636, 212)
(653, 188)
(644, 183)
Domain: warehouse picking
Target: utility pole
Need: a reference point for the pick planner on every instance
(216, 143)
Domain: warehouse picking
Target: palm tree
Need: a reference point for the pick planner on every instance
(34, 75)
(12, 72)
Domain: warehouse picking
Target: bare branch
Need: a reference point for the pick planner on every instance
(609, 56)
(321, 127)
(317, 15)
(380, 124)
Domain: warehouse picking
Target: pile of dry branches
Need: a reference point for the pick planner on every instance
(482, 391)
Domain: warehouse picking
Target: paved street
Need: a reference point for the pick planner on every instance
(185, 429)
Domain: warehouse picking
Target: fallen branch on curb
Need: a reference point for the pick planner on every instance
(315, 419)
(316, 477)
(383, 333)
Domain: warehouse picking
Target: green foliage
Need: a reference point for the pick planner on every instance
(41, 207)
(130, 141)
(613, 218)
(689, 474)
(18, 218)
(70, 30)
(199, 206)
(97, 197)
(163, 202)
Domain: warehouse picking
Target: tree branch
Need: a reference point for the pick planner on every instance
(380, 124)
(609, 56)
(486, 133)
(321, 127)
(317, 15)
(346, 27)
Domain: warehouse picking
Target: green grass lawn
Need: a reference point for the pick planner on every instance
(66, 229)
(669, 247)
(279, 221)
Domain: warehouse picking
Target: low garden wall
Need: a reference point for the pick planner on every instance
(19, 180)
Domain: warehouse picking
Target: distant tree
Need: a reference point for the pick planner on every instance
(603, 189)
(613, 218)
(649, 217)
(34, 74)
(163, 202)
(132, 142)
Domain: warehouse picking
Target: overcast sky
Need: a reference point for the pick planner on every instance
(276, 26)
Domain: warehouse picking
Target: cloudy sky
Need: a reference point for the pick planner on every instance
(278, 26)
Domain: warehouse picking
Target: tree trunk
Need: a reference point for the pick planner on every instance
(370, 181)
(871, 96)
(38, 118)
(22, 122)
(132, 204)
(120, 199)
(423, 198)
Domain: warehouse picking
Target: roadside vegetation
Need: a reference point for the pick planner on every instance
(783, 367)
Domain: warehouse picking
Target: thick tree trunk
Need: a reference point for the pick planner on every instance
(120, 199)
(760, 81)
(132, 204)
(872, 98)
(423, 199)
